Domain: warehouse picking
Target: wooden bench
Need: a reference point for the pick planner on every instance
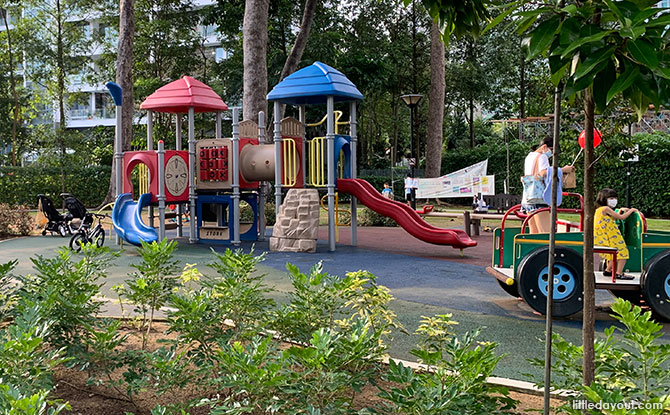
(471, 221)
(502, 202)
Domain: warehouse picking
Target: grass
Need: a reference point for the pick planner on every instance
(652, 223)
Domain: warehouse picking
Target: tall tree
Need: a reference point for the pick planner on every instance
(601, 49)
(62, 30)
(434, 132)
(5, 9)
(300, 43)
(255, 69)
(124, 78)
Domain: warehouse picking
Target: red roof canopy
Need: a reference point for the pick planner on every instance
(178, 96)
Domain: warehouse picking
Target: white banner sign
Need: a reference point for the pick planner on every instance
(466, 182)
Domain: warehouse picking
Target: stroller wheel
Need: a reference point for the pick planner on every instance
(44, 232)
(61, 230)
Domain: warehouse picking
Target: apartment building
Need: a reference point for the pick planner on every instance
(90, 104)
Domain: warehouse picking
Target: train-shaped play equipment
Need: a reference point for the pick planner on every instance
(520, 266)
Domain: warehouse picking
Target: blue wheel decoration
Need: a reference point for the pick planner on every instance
(533, 273)
(564, 281)
(655, 284)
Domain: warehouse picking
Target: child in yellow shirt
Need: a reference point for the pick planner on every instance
(607, 233)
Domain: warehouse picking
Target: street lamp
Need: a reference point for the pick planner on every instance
(412, 100)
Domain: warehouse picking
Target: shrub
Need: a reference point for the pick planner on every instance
(15, 220)
(633, 368)
(320, 300)
(270, 214)
(21, 185)
(68, 293)
(26, 365)
(369, 217)
(456, 382)
(149, 288)
(7, 289)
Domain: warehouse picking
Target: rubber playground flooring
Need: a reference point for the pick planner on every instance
(424, 279)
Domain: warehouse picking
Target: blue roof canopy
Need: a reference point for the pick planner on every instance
(313, 84)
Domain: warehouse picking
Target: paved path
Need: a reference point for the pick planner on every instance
(425, 279)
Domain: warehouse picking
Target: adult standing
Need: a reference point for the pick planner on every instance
(409, 190)
(537, 164)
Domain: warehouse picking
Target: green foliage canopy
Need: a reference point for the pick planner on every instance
(613, 47)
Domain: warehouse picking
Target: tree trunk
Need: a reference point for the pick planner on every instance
(12, 83)
(124, 77)
(588, 323)
(522, 87)
(255, 69)
(60, 74)
(471, 104)
(293, 59)
(434, 131)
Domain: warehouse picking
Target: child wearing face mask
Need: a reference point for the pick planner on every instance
(606, 232)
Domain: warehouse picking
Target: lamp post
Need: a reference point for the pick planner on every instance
(412, 100)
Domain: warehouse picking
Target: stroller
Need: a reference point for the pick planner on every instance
(57, 223)
(76, 210)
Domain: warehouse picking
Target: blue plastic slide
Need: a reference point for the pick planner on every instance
(127, 219)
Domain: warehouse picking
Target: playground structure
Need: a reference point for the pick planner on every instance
(215, 174)
(520, 263)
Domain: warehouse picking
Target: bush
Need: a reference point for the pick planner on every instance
(630, 369)
(369, 217)
(15, 220)
(21, 185)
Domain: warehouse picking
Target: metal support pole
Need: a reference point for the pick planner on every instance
(277, 140)
(150, 147)
(330, 136)
(353, 124)
(236, 177)
(412, 155)
(180, 208)
(218, 124)
(302, 116)
(552, 246)
(627, 184)
(263, 184)
(118, 160)
(192, 238)
(161, 190)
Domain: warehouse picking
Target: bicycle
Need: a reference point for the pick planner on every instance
(85, 234)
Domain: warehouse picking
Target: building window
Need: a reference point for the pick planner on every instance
(80, 107)
(219, 55)
(104, 106)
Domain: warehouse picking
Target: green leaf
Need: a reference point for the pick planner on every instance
(542, 37)
(624, 81)
(643, 15)
(662, 72)
(570, 9)
(615, 10)
(593, 60)
(633, 32)
(525, 23)
(601, 83)
(639, 102)
(662, 20)
(512, 8)
(584, 40)
(558, 75)
(643, 53)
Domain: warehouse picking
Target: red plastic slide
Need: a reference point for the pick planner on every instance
(404, 215)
